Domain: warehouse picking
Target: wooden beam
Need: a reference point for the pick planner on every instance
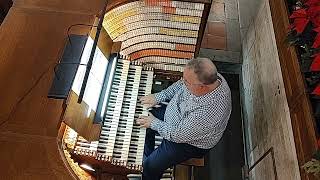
(202, 27)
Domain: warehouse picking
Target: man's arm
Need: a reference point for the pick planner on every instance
(167, 94)
(192, 127)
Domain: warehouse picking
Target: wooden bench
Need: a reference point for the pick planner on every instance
(194, 162)
(199, 162)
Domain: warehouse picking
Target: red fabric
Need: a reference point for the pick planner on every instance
(316, 91)
(315, 66)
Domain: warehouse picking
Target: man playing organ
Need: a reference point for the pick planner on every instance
(193, 121)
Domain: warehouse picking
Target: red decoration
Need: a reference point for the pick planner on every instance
(312, 3)
(314, 14)
(301, 20)
(300, 13)
(302, 16)
(316, 91)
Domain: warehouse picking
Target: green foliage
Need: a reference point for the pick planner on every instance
(312, 166)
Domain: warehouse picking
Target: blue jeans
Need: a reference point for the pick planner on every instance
(167, 154)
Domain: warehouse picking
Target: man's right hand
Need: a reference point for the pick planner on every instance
(148, 101)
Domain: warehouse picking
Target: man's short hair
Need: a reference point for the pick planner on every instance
(205, 70)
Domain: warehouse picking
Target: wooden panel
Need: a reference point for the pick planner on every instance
(26, 68)
(78, 7)
(300, 110)
(194, 162)
(303, 133)
(182, 172)
(116, 47)
(31, 157)
(105, 42)
(76, 117)
(287, 55)
(204, 19)
(32, 39)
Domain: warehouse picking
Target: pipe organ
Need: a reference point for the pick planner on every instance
(121, 140)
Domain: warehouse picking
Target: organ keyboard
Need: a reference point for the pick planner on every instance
(121, 140)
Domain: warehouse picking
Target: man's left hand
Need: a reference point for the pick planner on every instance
(145, 121)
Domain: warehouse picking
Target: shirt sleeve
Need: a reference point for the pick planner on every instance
(191, 128)
(167, 94)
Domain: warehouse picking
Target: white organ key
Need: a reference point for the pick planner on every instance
(125, 121)
(86, 148)
(130, 118)
(109, 137)
(121, 139)
(147, 78)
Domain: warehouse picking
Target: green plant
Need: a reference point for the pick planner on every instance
(305, 35)
(313, 166)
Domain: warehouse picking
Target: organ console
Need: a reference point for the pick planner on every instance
(121, 142)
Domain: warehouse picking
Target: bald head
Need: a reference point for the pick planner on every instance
(205, 70)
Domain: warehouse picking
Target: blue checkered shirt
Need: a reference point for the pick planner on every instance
(196, 120)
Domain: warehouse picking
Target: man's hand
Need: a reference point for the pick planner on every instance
(148, 101)
(145, 121)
